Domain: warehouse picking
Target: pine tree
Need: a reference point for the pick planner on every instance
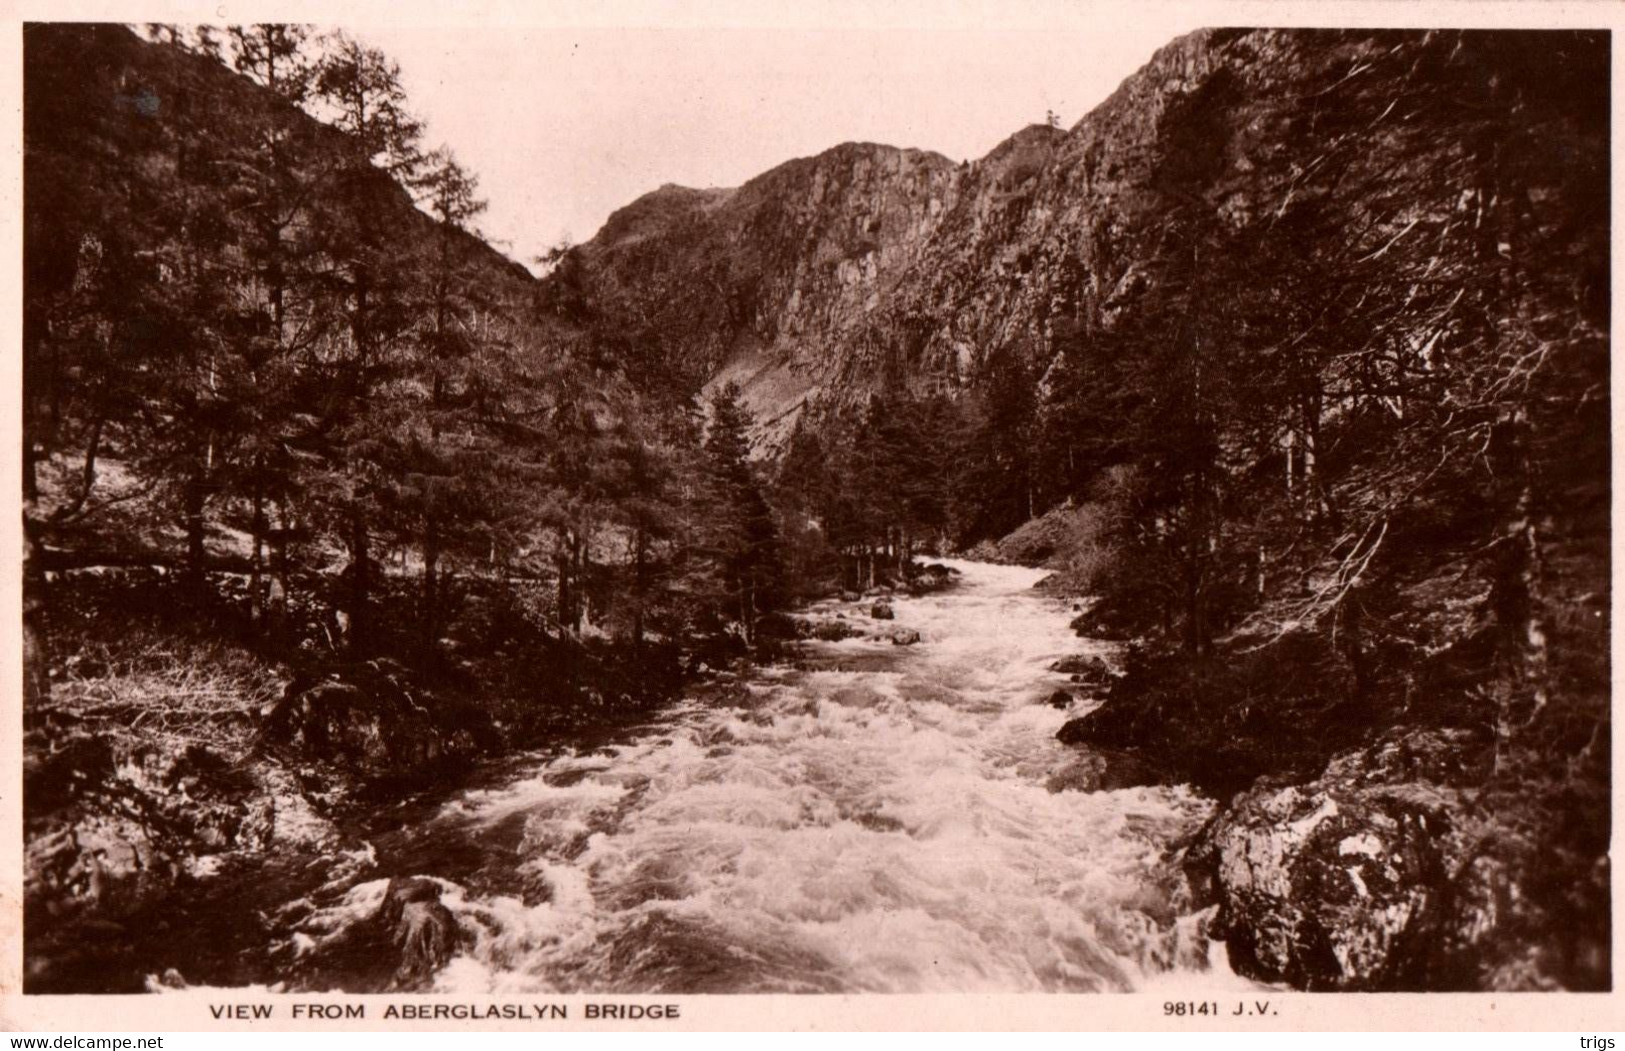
(740, 537)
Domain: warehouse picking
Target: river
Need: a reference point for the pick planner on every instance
(878, 819)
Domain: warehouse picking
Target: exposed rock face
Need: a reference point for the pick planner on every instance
(422, 930)
(1350, 882)
(117, 828)
(832, 275)
(367, 718)
(811, 247)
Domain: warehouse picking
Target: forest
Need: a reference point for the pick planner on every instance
(273, 360)
(1320, 436)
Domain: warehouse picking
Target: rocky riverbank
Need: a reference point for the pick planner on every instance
(172, 774)
(170, 782)
(1362, 850)
(150, 831)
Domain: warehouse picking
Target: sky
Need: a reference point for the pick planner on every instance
(563, 125)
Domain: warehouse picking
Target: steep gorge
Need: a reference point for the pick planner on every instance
(833, 276)
(1323, 315)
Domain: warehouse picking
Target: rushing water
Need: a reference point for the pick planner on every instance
(880, 819)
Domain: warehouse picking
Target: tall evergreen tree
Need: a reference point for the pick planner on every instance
(739, 538)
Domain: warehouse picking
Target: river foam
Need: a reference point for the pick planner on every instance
(878, 821)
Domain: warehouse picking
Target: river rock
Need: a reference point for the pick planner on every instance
(882, 611)
(371, 719)
(834, 631)
(421, 928)
(905, 637)
(1060, 699)
(118, 827)
(1338, 884)
(1086, 671)
(1106, 770)
(780, 626)
(929, 578)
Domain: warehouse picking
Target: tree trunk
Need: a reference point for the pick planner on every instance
(1312, 491)
(196, 553)
(431, 580)
(640, 584)
(580, 558)
(360, 586)
(87, 472)
(1195, 614)
(1515, 593)
(36, 653)
(256, 573)
(277, 607)
(30, 472)
(566, 598)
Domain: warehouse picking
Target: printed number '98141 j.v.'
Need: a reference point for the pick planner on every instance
(1184, 1008)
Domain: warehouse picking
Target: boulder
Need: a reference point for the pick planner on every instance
(882, 611)
(1060, 699)
(905, 637)
(1086, 671)
(1106, 770)
(1339, 883)
(929, 578)
(423, 930)
(834, 631)
(64, 769)
(120, 828)
(780, 626)
(372, 720)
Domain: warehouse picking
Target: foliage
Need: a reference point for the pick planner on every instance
(261, 323)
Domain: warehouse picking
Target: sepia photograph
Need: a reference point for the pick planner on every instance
(521, 512)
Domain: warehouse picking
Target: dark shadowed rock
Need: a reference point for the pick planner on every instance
(371, 718)
(1084, 670)
(1060, 699)
(1106, 770)
(121, 827)
(1336, 884)
(834, 631)
(882, 611)
(68, 767)
(780, 626)
(423, 930)
(905, 637)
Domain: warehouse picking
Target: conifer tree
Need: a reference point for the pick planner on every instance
(740, 537)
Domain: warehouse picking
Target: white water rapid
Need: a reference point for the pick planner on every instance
(882, 822)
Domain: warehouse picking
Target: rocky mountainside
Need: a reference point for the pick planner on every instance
(832, 276)
(108, 110)
(1292, 358)
(1304, 333)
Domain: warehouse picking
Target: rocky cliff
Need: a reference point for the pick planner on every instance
(831, 276)
(1288, 297)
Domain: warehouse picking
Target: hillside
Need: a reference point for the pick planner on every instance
(832, 276)
(1289, 363)
(1301, 339)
